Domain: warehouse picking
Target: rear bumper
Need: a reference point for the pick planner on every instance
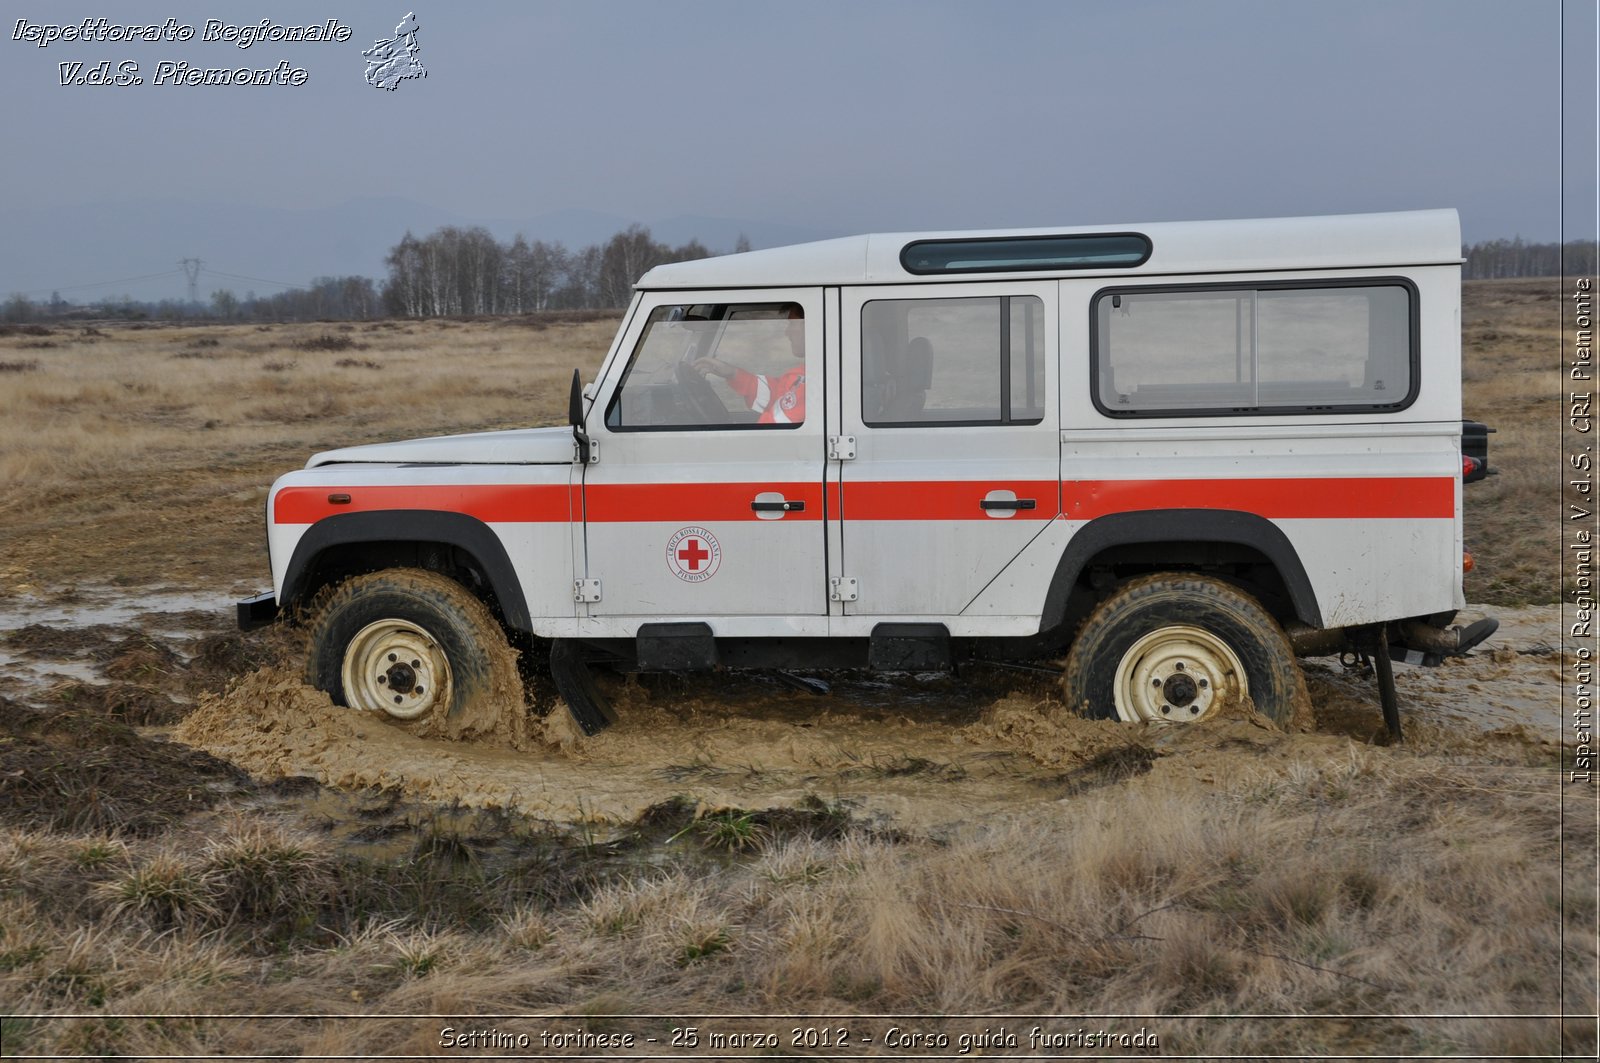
(257, 611)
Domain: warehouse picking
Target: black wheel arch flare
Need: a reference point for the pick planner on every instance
(1211, 526)
(419, 526)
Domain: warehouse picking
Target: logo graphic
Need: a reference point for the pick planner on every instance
(693, 554)
(391, 62)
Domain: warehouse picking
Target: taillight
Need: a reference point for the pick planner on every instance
(1471, 467)
(1466, 562)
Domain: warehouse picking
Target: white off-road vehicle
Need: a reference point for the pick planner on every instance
(1176, 454)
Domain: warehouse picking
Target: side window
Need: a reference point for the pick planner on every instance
(977, 361)
(722, 365)
(1262, 349)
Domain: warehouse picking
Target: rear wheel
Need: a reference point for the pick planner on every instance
(1182, 648)
(414, 645)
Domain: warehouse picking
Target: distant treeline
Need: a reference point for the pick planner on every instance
(455, 272)
(467, 271)
(324, 299)
(1494, 259)
(451, 272)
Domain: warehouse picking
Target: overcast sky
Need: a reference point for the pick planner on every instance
(845, 117)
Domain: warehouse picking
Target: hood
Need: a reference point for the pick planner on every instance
(518, 446)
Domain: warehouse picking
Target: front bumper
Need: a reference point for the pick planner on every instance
(257, 611)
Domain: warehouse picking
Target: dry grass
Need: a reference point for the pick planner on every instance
(1362, 884)
(1512, 377)
(130, 436)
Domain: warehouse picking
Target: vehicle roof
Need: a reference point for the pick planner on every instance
(1340, 241)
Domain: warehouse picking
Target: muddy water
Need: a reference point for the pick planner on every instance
(44, 641)
(919, 753)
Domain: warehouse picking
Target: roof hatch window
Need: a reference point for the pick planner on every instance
(1021, 254)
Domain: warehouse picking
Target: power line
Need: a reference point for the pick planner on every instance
(98, 284)
(187, 267)
(258, 280)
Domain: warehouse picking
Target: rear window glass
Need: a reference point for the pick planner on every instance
(1257, 349)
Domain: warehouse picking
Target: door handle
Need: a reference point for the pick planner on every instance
(1008, 503)
(782, 505)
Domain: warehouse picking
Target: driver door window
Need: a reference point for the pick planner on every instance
(720, 365)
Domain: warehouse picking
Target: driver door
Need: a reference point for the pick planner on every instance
(707, 498)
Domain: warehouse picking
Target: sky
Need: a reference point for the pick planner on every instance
(825, 116)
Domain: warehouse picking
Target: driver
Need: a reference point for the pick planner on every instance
(778, 399)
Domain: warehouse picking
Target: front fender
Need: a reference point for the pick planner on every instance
(402, 526)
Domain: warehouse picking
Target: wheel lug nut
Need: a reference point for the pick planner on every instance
(398, 699)
(1166, 710)
(1194, 710)
(1178, 666)
(416, 664)
(416, 690)
(392, 657)
(1203, 684)
(383, 679)
(1156, 681)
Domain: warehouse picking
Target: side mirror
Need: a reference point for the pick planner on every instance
(575, 418)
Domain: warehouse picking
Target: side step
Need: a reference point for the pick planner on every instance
(910, 648)
(676, 648)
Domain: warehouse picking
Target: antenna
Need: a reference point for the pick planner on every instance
(191, 267)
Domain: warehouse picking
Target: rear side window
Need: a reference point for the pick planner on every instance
(977, 361)
(1260, 349)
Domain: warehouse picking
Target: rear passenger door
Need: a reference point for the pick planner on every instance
(947, 392)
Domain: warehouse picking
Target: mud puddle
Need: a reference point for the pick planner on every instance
(926, 754)
(55, 649)
(1509, 687)
(763, 746)
(160, 612)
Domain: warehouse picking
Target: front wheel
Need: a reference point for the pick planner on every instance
(415, 645)
(1182, 648)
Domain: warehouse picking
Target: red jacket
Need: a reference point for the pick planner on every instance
(779, 400)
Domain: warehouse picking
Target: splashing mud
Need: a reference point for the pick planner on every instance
(919, 752)
(922, 753)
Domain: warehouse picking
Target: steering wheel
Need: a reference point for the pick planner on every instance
(698, 392)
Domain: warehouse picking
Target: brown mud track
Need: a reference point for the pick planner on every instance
(921, 753)
(918, 753)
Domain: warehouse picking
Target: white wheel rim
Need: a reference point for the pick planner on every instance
(1179, 674)
(394, 666)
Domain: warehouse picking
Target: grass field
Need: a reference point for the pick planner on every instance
(1074, 868)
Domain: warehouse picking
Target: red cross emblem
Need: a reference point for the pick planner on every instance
(693, 554)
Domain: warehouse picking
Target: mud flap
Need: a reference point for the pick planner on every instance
(1388, 696)
(576, 686)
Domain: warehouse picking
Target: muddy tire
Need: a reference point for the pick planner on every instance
(1182, 648)
(417, 646)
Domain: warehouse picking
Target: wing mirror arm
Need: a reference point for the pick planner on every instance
(575, 418)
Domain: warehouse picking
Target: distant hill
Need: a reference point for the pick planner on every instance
(65, 248)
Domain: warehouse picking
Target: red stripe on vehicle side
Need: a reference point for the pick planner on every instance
(609, 503)
(943, 499)
(1283, 499)
(491, 503)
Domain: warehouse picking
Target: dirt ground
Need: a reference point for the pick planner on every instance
(134, 720)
